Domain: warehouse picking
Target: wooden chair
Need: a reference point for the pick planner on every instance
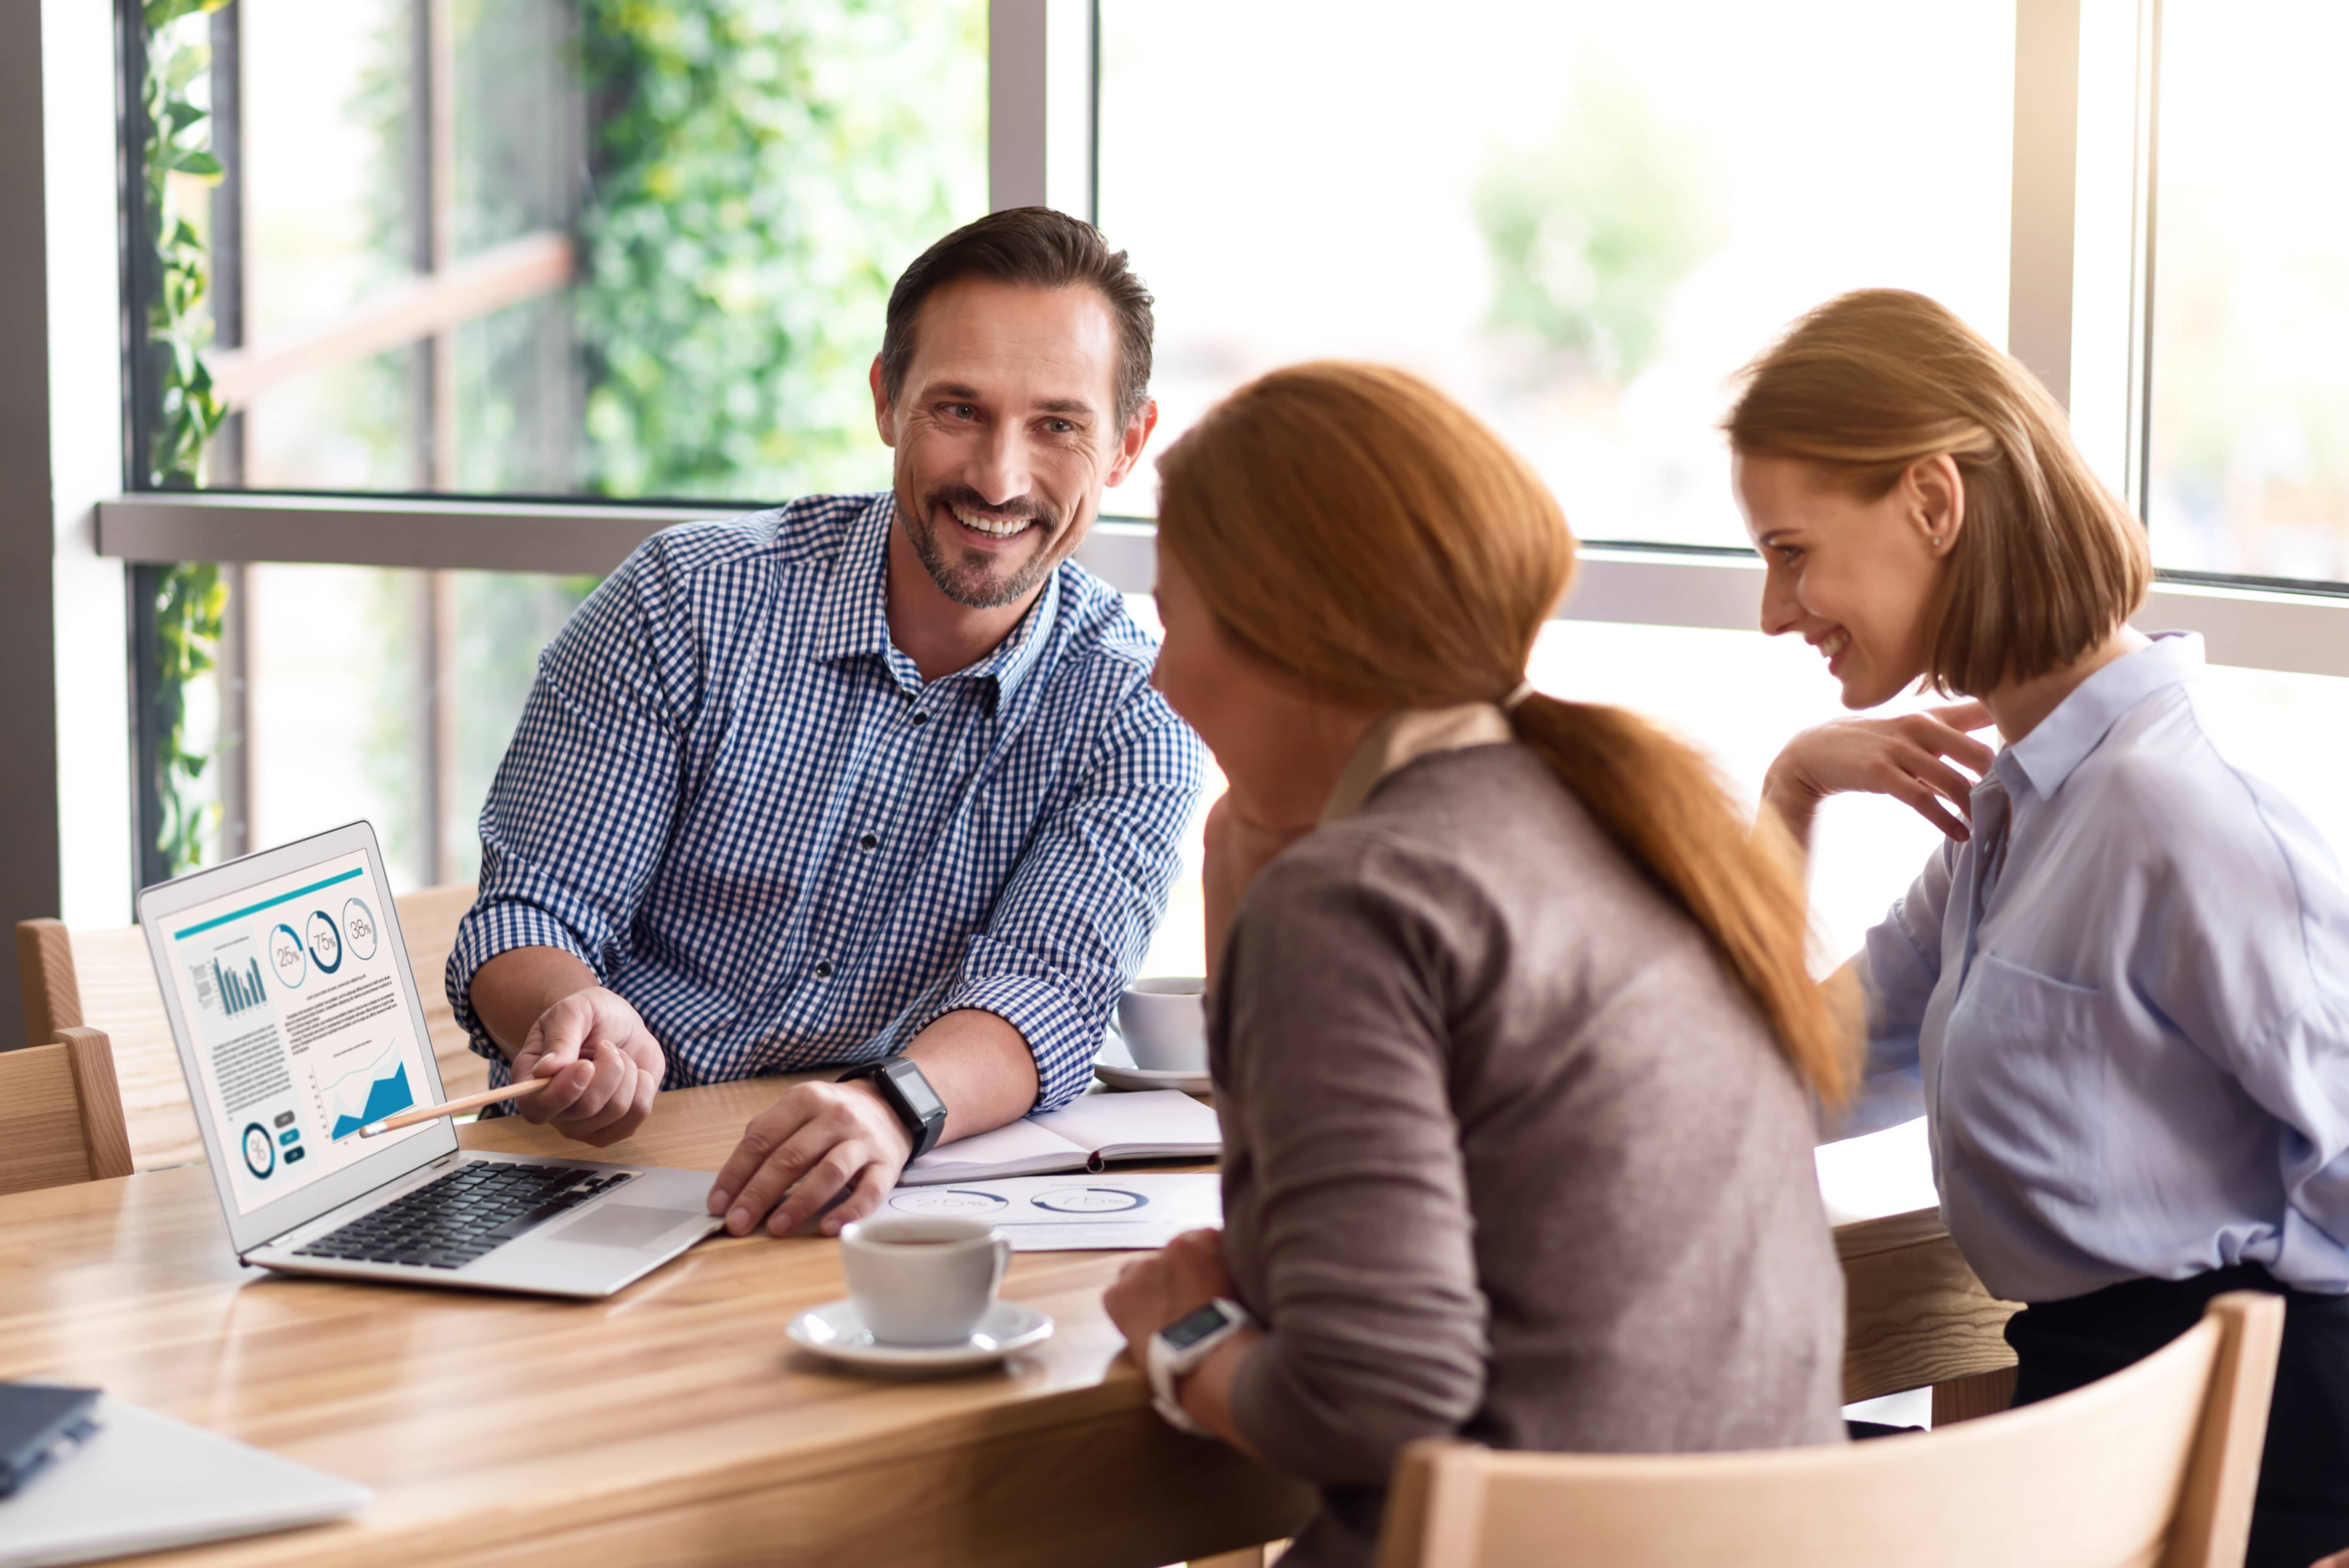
(2155, 1465)
(104, 978)
(60, 1114)
(1915, 1316)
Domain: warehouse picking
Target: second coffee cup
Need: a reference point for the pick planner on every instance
(1165, 1022)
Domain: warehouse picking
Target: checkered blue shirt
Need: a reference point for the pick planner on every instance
(741, 806)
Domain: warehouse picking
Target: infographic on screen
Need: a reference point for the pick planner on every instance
(303, 1027)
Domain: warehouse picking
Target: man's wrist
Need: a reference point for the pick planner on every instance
(886, 1123)
(905, 1090)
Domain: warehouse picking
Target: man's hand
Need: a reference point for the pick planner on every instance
(603, 1068)
(820, 1140)
(1902, 758)
(1168, 1286)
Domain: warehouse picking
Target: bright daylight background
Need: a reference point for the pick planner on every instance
(1581, 218)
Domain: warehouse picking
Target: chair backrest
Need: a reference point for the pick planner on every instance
(105, 978)
(2152, 1466)
(60, 1116)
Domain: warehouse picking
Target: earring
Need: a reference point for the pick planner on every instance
(1937, 542)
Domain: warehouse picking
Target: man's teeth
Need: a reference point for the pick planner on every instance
(993, 528)
(1835, 642)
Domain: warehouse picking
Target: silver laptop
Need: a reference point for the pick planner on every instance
(298, 1024)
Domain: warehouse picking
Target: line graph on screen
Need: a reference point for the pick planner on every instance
(367, 1092)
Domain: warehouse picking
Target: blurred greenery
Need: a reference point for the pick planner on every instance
(182, 412)
(763, 169)
(1591, 230)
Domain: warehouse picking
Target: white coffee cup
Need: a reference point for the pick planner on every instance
(922, 1279)
(1165, 1022)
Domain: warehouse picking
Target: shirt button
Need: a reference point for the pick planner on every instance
(823, 968)
(920, 717)
(868, 842)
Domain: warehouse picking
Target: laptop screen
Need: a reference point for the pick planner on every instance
(302, 1025)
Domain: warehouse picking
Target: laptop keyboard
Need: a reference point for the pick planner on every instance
(449, 1223)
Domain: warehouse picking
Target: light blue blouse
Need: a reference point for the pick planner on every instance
(2125, 1003)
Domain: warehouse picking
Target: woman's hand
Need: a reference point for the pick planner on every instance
(1907, 758)
(1168, 1286)
(1235, 849)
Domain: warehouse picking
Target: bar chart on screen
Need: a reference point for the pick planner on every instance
(240, 987)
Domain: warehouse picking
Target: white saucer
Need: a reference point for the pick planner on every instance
(837, 1329)
(1117, 1075)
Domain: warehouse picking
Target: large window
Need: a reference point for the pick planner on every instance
(1578, 216)
(606, 252)
(610, 247)
(2250, 429)
(607, 248)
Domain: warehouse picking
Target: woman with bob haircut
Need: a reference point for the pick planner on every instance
(1512, 1040)
(2120, 984)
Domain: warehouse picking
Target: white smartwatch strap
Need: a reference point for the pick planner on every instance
(1163, 1364)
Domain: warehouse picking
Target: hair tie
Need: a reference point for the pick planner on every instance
(1517, 694)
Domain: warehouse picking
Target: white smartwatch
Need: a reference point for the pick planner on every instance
(1181, 1345)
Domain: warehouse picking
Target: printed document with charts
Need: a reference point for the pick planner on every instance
(1078, 1213)
(1084, 1135)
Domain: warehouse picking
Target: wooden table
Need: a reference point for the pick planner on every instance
(673, 1423)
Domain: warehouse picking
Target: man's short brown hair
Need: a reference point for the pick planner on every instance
(2047, 562)
(1030, 247)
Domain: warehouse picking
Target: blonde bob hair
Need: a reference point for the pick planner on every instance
(1363, 534)
(2047, 562)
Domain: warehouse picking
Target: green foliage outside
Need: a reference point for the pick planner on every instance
(759, 173)
(1591, 232)
(183, 411)
(763, 169)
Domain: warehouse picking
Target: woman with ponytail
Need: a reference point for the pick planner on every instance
(2122, 984)
(1513, 1040)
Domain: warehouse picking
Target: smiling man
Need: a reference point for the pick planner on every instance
(874, 781)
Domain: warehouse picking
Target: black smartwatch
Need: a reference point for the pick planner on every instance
(909, 1094)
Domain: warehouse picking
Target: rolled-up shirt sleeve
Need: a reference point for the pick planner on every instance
(1334, 1046)
(1074, 922)
(582, 804)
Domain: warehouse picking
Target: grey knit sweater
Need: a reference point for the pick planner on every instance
(1506, 1154)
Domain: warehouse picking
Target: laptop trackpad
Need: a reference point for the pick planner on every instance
(620, 1225)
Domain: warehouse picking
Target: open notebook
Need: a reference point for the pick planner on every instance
(1084, 1135)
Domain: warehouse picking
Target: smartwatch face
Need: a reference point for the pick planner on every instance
(1186, 1331)
(915, 1090)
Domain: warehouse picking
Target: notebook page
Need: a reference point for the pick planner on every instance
(1123, 1125)
(1022, 1147)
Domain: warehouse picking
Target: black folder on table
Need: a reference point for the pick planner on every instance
(38, 1424)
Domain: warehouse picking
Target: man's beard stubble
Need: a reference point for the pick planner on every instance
(973, 586)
